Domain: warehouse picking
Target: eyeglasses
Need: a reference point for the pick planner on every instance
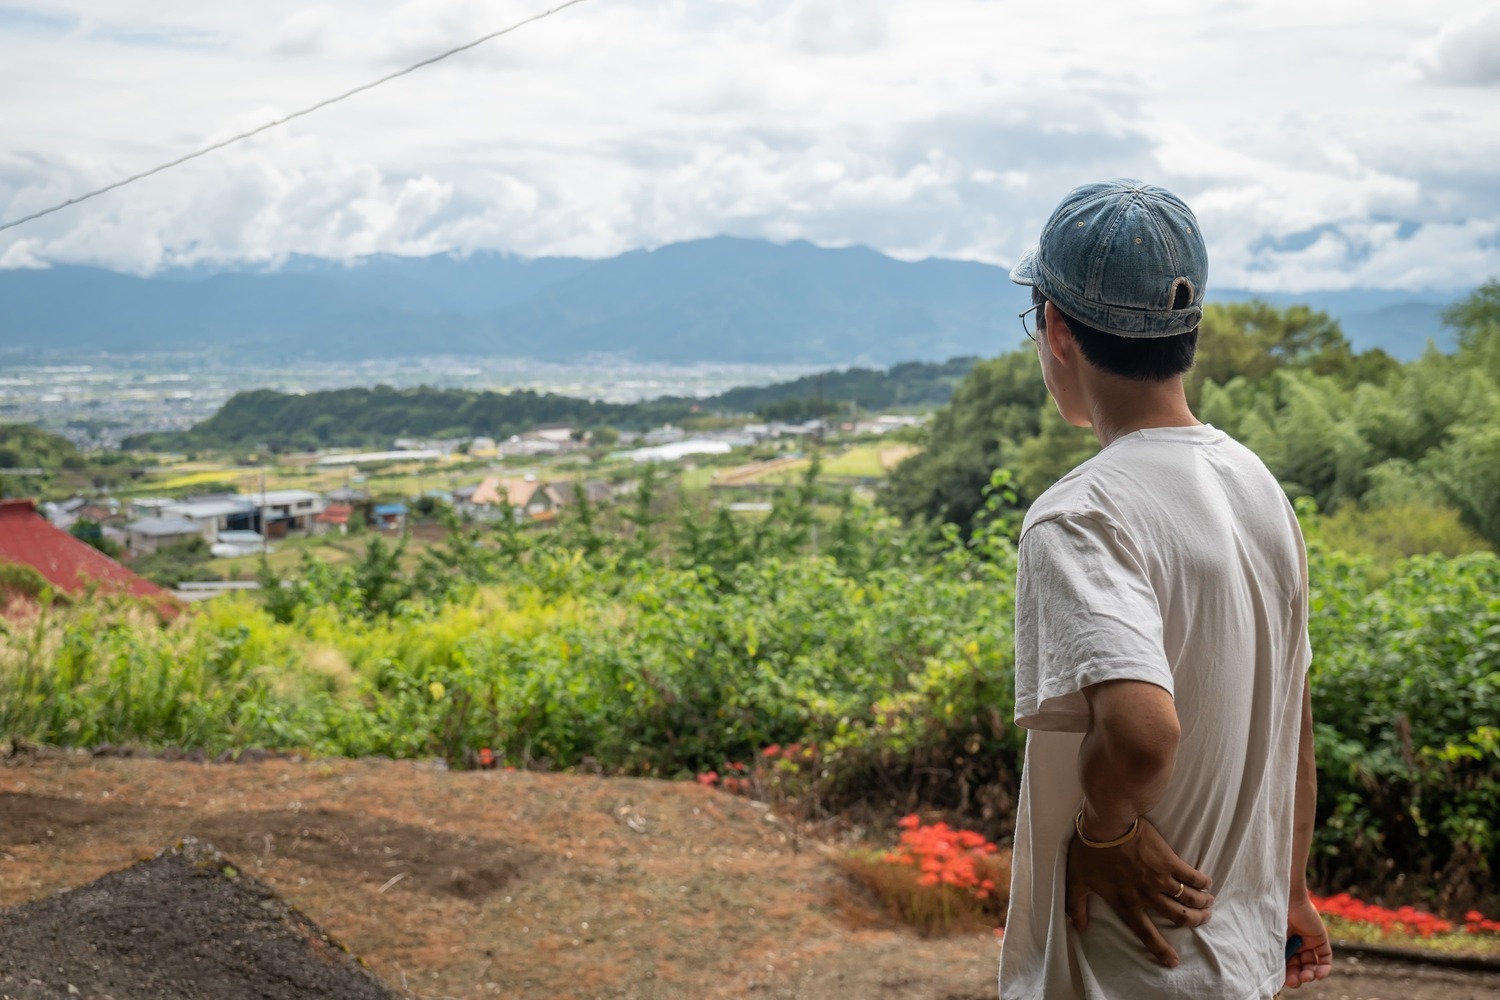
(1033, 309)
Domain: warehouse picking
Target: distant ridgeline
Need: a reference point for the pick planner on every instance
(725, 299)
(366, 417)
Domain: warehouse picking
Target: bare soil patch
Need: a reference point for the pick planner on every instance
(184, 924)
(492, 883)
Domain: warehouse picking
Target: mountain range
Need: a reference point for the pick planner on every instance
(722, 299)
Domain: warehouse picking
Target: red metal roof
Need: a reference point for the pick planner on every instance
(335, 513)
(67, 563)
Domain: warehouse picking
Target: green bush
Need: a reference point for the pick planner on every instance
(1388, 534)
(1406, 689)
(645, 642)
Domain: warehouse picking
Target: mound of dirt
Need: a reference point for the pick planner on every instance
(185, 924)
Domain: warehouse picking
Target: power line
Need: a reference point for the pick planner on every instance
(295, 114)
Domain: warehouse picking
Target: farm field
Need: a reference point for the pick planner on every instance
(862, 461)
(286, 554)
(517, 884)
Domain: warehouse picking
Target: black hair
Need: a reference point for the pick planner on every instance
(1143, 359)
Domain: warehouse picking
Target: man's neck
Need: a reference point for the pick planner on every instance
(1122, 406)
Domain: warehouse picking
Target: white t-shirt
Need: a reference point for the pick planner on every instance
(1171, 557)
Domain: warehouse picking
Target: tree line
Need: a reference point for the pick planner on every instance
(1359, 434)
(372, 417)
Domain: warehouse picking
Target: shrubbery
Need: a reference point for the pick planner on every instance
(617, 644)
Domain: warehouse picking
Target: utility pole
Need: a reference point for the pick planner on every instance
(261, 511)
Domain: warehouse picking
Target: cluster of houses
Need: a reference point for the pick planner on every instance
(234, 524)
(231, 524)
(526, 498)
(668, 442)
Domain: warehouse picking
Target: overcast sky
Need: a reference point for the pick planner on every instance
(1323, 143)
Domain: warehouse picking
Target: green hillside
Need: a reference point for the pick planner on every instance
(366, 417)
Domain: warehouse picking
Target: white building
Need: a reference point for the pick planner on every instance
(680, 449)
(239, 543)
(152, 533)
(371, 457)
(214, 515)
(149, 506)
(281, 511)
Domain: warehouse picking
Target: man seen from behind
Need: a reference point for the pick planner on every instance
(1162, 655)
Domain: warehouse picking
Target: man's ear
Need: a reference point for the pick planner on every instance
(1059, 338)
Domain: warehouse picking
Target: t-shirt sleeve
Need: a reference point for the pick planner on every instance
(1085, 613)
(1302, 610)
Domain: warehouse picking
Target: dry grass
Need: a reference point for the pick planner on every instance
(932, 911)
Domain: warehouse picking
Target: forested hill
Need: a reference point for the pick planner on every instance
(23, 446)
(372, 417)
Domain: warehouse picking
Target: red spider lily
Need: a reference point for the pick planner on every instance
(945, 856)
(708, 779)
(1476, 923)
(1404, 920)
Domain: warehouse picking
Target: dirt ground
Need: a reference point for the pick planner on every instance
(492, 883)
(159, 929)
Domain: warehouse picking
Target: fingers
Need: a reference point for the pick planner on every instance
(1077, 892)
(1193, 899)
(1078, 905)
(1157, 945)
(1322, 959)
(1180, 912)
(1183, 905)
(1300, 970)
(1191, 877)
(1078, 911)
(1309, 965)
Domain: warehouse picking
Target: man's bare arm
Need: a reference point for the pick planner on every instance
(1313, 958)
(1124, 764)
(1127, 755)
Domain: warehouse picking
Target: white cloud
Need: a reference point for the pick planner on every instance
(919, 127)
(1465, 52)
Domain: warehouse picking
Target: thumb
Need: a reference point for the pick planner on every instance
(1078, 910)
(1078, 905)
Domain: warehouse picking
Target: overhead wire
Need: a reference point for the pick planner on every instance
(286, 118)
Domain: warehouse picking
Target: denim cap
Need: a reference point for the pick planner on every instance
(1113, 255)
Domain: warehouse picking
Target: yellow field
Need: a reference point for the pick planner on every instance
(219, 475)
(862, 461)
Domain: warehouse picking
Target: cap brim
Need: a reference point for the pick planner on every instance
(1024, 273)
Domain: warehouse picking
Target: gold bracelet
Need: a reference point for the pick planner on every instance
(1135, 828)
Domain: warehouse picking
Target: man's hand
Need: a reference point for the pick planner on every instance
(1314, 959)
(1136, 879)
